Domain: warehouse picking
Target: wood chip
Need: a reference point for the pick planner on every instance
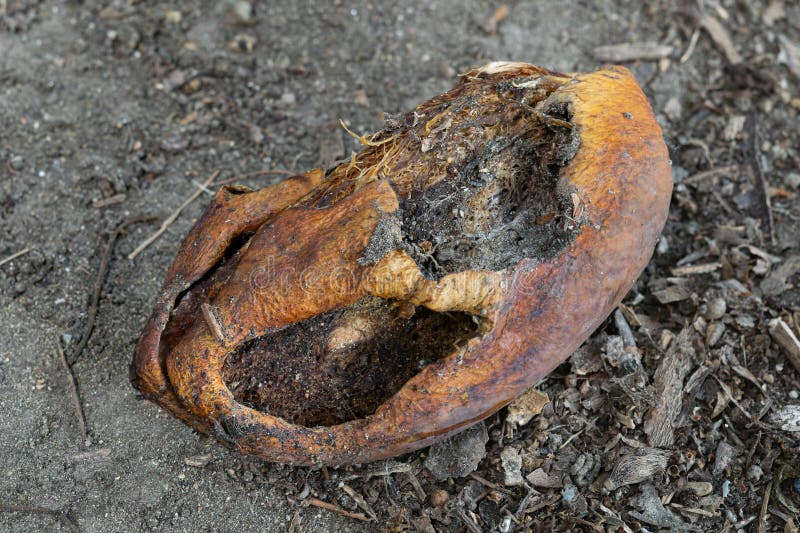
(524, 408)
(359, 499)
(99, 453)
(785, 337)
(719, 34)
(672, 294)
(693, 270)
(198, 461)
(624, 52)
(668, 384)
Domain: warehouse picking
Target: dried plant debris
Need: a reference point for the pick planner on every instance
(668, 383)
(459, 455)
(787, 418)
(621, 53)
(643, 464)
(652, 511)
(524, 408)
(787, 340)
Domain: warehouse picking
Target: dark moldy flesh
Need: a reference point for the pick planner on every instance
(502, 204)
(297, 374)
(489, 196)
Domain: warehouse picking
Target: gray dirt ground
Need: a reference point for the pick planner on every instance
(146, 99)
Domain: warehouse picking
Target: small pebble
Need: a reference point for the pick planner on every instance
(726, 488)
(745, 321)
(512, 467)
(700, 488)
(755, 473)
(243, 12)
(714, 333)
(569, 493)
(439, 497)
(716, 309)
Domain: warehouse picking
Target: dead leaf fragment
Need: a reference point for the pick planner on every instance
(459, 455)
(654, 513)
(672, 294)
(524, 408)
(724, 456)
(539, 478)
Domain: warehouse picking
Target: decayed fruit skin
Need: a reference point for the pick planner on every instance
(534, 313)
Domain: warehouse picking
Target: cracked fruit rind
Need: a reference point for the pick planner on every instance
(351, 315)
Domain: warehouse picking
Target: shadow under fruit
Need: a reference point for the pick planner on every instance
(474, 243)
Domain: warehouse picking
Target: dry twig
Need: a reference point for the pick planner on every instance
(715, 172)
(15, 255)
(73, 389)
(785, 337)
(359, 499)
(316, 502)
(719, 34)
(62, 517)
(690, 49)
(624, 52)
(98, 284)
(762, 516)
(754, 155)
(170, 219)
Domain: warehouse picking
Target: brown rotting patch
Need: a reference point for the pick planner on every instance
(341, 365)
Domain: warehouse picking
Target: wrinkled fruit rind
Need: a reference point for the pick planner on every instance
(608, 186)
